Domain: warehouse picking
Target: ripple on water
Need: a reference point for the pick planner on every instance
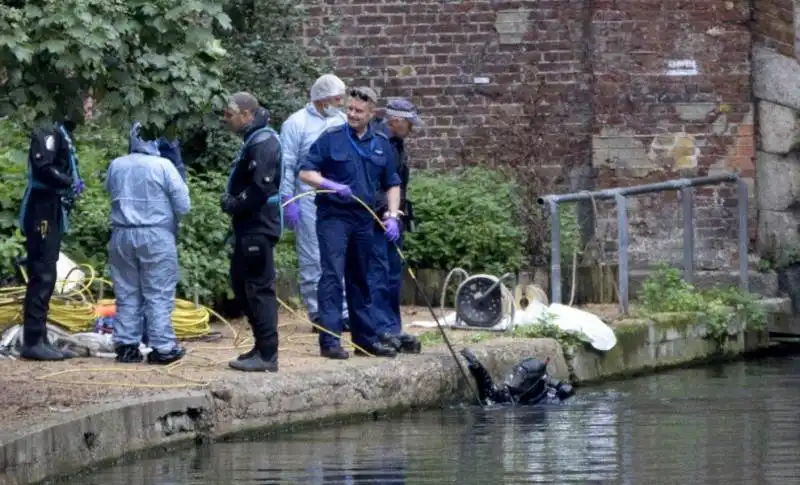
(731, 425)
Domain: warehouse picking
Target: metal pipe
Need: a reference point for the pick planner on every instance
(555, 254)
(640, 189)
(687, 201)
(622, 230)
(741, 192)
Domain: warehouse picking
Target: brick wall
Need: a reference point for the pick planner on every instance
(773, 25)
(545, 85)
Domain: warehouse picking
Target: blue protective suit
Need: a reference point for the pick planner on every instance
(345, 229)
(148, 197)
(298, 132)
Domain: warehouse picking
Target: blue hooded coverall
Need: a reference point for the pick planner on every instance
(148, 197)
(298, 132)
(345, 228)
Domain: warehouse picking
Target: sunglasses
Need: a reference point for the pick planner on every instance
(355, 93)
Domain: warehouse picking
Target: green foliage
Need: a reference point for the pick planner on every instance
(665, 291)
(265, 59)
(545, 328)
(465, 220)
(202, 250)
(155, 60)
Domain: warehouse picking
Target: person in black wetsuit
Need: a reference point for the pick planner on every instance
(527, 384)
(252, 200)
(54, 183)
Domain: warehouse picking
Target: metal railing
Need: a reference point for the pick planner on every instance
(686, 188)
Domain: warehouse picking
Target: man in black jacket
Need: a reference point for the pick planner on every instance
(53, 185)
(252, 200)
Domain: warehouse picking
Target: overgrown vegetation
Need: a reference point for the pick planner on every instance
(665, 291)
(169, 65)
(466, 219)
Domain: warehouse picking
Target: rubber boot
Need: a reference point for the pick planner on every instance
(254, 363)
(129, 354)
(158, 358)
(248, 354)
(41, 352)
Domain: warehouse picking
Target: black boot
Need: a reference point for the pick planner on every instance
(40, 351)
(391, 340)
(129, 354)
(248, 354)
(409, 344)
(255, 363)
(378, 350)
(335, 353)
(158, 358)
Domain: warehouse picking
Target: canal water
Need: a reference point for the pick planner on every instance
(732, 424)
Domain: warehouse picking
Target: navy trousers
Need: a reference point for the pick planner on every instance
(385, 283)
(345, 250)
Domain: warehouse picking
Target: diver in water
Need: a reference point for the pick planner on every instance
(527, 384)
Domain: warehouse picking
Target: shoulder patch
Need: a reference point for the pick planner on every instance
(50, 143)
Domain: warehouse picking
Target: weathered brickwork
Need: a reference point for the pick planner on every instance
(773, 25)
(638, 90)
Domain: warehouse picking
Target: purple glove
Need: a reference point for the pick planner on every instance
(341, 190)
(78, 188)
(392, 229)
(291, 213)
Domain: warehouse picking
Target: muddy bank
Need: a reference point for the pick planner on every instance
(322, 390)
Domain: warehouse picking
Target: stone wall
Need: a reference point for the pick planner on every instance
(626, 92)
(775, 85)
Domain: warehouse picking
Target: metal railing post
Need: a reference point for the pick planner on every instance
(741, 192)
(687, 201)
(555, 253)
(685, 186)
(622, 230)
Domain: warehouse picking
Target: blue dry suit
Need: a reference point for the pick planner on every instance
(298, 132)
(148, 197)
(345, 228)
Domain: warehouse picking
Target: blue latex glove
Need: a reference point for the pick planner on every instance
(78, 188)
(291, 213)
(392, 229)
(171, 150)
(341, 190)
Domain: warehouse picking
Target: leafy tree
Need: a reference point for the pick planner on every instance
(154, 60)
(265, 58)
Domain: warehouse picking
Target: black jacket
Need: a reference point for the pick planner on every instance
(48, 156)
(256, 177)
(403, 171)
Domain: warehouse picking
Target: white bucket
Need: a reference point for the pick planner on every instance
(69, 277)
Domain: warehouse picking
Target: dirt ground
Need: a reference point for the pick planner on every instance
(37, 390)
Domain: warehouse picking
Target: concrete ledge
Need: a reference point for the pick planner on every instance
(247, 402)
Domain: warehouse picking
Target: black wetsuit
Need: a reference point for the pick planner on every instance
(527, 384)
